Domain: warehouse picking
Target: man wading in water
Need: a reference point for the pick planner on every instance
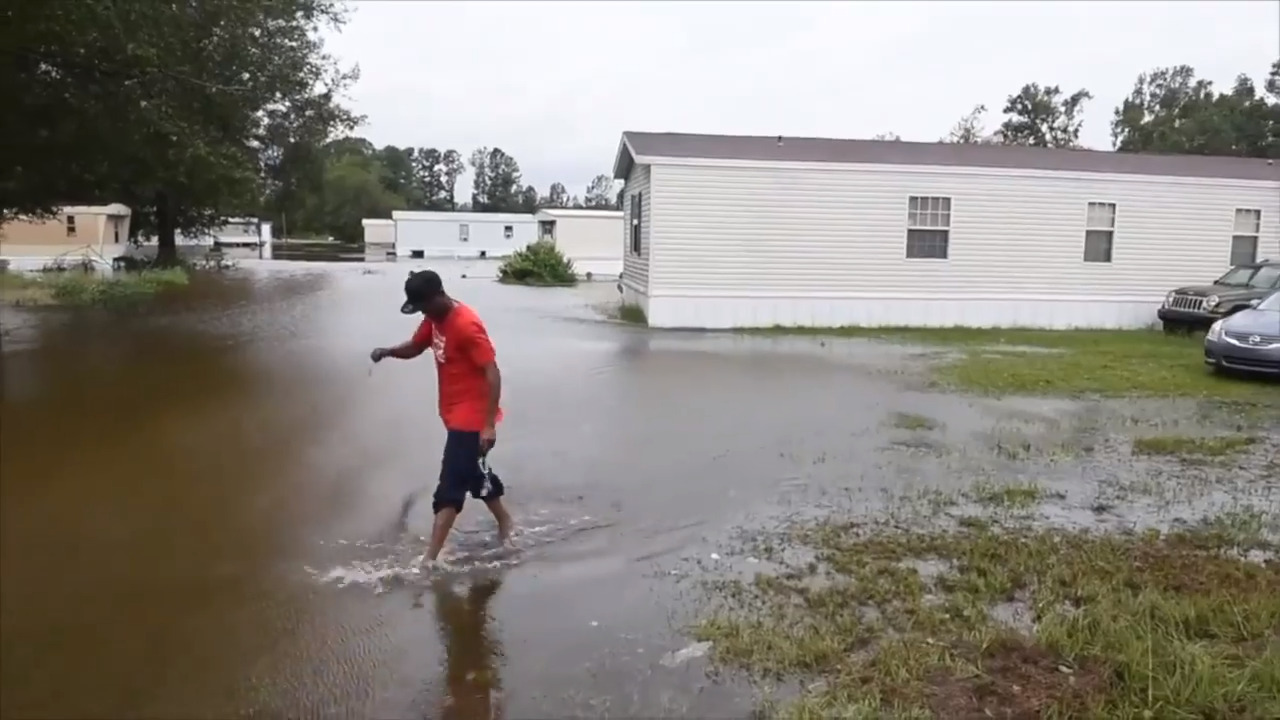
(470, 388)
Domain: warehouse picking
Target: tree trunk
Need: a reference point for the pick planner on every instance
(166, 231)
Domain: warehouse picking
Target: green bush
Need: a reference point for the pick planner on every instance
(76, 287)
(632, 313)
(541, 263)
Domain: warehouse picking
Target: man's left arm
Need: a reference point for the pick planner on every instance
(482, 354)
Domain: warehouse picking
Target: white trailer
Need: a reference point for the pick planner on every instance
(726, 231)
(592, 239)
(429, 234)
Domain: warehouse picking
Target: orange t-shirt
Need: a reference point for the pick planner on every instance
(462, 350)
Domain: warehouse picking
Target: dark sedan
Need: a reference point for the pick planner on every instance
(1248, 340)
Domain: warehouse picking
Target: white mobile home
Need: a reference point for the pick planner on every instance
(592, 239)
(759, 231)
(431, 234)
(379, 234)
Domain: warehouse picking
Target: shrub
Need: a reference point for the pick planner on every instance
(540, 263)
(74, 287)
(632, 313)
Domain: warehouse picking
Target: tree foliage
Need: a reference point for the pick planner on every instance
(1043, 117)
(187, 112)
(1170, 110)
(194, 112)
(971, 129)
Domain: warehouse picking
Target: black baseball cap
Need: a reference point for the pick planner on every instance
(420, 288)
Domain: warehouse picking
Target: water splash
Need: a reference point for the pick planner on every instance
(385, 566)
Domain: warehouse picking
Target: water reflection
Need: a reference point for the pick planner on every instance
(472, 687)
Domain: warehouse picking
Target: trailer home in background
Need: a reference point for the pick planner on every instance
(430, 234)
(592, 239)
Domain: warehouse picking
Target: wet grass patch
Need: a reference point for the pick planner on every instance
(973, 621)
(913, 421)
(1011, 496)
(1193, 446)
(1115, 363)
(632, 313)
(79, 288)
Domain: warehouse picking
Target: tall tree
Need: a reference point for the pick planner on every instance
(428, 176)
(398, 174)
(1044, 117)
(503, 183)
(354, 188)
(971, 129)
(1171, 110)
(451, 168)
(600, 193)
(557, 196)
(529, 199)
(178, 110)
(480, 176)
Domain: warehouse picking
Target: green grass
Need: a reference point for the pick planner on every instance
(1189, 445)
(80, 288)
(913, 421)
(1115, 363)
(536, 282)
(632, 313)
(1016, 622)
(1014, 495)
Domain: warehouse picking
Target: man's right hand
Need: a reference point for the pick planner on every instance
(379, 353)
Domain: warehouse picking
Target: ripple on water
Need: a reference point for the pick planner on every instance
(385, 566)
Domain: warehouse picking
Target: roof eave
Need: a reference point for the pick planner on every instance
(623, 159)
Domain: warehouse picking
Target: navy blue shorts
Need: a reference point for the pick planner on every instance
(464, 470)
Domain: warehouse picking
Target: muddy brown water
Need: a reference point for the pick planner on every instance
(198, 498)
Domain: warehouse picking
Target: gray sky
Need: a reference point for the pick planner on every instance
(555, 83)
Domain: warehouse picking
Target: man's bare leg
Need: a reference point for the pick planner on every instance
(440, 529)
(505, 524)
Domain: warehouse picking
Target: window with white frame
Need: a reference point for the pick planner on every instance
(637, 201)
(1244, 236)
(464, 232)
(71, 226)
(508, 231)
(1099, 232)
(928, 227)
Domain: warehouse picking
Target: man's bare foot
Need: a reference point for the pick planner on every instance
(427, 566)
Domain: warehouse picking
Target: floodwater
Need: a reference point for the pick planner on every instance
(199, 499)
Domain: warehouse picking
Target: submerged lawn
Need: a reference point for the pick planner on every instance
(75, 287)
(975, 621)
(1069, 362)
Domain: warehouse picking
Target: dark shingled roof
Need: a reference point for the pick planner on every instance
(889, 152)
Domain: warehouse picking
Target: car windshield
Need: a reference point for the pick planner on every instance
(1272, 303)
(1264, 276)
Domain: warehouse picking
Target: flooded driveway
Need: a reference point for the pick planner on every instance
(199, 500)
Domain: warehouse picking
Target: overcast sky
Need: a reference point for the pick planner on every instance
(555, 83)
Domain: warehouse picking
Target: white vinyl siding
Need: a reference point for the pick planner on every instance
(461, 234)
(838, 232)
(635, 266)
(1244, 236)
